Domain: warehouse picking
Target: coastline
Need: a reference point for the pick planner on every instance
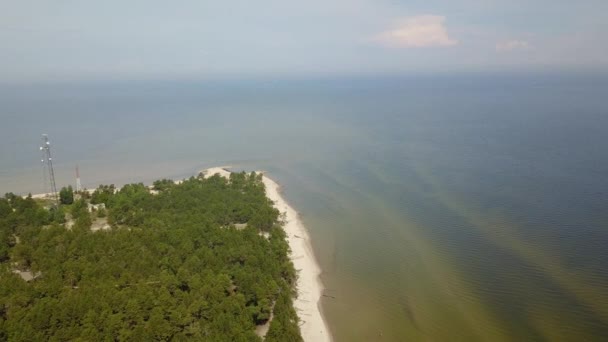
(313, 326)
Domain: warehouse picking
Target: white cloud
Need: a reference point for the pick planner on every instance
(512, 45)
(417, 32)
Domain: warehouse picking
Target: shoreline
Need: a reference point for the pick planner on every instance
(313, 326)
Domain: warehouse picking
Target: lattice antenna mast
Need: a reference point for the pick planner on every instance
(47, 160)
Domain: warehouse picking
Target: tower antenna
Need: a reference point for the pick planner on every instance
(78, 185)
(47, 161)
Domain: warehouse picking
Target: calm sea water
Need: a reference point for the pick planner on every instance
(464, 207)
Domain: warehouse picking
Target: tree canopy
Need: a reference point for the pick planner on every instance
(172, 267)
(66, 195)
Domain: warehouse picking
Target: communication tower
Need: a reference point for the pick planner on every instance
(78, 185)
(47, 163)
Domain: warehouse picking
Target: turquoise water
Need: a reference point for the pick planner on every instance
(465, 207)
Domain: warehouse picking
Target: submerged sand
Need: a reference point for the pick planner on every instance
(309, 287)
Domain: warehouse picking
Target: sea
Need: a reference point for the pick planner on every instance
(441, 207)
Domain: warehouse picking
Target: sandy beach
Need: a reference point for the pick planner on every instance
(312, 325)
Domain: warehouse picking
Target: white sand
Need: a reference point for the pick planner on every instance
(221, 170)
(312, 326)
(49, 195)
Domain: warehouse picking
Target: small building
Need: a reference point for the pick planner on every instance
(95, 207)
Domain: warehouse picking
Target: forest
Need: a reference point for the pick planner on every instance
(203, 260)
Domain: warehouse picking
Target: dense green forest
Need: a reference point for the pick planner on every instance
(205, 260)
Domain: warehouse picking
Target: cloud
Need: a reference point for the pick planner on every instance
(512, 45)
(417, 32)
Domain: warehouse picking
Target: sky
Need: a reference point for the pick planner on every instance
(153, 39)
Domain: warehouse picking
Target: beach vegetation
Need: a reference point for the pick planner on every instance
(66, 195)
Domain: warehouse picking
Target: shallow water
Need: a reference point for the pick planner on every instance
(468, 207)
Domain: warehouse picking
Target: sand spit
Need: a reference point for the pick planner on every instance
(312, 326)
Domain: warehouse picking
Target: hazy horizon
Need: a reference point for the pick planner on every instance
(64, 41)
